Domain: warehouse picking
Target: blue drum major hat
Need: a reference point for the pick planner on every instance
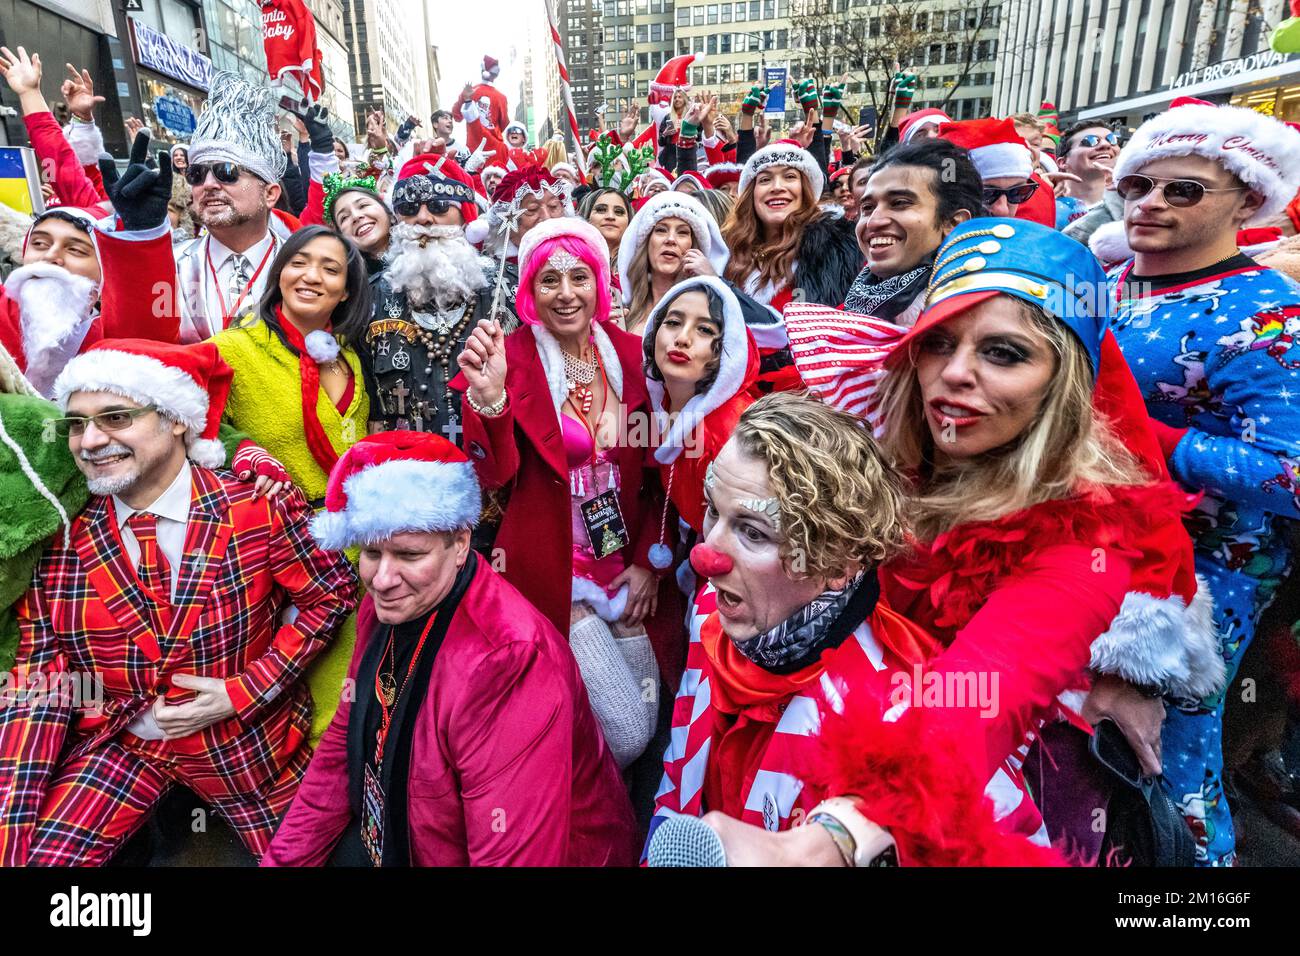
(985, 257)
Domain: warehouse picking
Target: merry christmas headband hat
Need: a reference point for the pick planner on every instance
(785, 152)
(393, 482)
(186, 383)
(1259, 150)
(238, 126)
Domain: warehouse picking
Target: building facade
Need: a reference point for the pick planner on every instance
(330, 36)
(384, 40)
(1120, 61)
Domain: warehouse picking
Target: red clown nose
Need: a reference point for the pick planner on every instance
(708, 562)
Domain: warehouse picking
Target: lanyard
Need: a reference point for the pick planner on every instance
(385, 716)
(216, 283)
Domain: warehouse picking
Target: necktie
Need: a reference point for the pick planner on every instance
(154, 571)
(238, 276)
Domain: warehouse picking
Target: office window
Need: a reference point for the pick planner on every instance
(697, 44)
(697, 75)
(725, 13)
(755, 10)
(642, 34)
(683, 16)
(697, 16)
(684, 46)
(622, 57)
(656, 32)
(724, 73)
(753, 73)
(724, 44)
(782, 39)
(642, 61)
(712, 47)
(769, 9)
(740, 13)
(643, 6)
(713, 13)
(609, 8)
(711, 75)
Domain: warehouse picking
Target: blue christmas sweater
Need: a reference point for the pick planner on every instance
(1220, 356)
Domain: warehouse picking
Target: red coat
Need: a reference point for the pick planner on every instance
(508, 765)
(521, 450)
(71, 181)
(498, 111)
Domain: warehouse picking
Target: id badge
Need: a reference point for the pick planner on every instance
(603, 520)
(372, 817)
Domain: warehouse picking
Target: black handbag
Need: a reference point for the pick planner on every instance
(1143, 826)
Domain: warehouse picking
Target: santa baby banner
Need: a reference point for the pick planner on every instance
(289, 37)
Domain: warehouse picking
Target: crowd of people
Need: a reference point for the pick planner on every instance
(844, 498)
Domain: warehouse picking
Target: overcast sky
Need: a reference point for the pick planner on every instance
(464, 30)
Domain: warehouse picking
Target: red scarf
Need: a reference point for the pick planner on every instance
(318, 442)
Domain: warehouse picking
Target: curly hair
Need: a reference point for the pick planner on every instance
(841, 502)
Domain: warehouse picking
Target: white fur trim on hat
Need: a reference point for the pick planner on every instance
(731, 365)
(396, 496)
(1259, 150)
(670, 205)
(516, 127)
(784, 154)
(574, 226)
(147, 381)
(593, 595)
(1002, 159)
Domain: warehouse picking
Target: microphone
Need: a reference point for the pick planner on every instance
(685, 841)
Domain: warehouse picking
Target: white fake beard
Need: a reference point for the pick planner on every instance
(445, 272)
(55, 311)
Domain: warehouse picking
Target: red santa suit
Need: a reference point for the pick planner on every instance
(506, 762)
(61, 319)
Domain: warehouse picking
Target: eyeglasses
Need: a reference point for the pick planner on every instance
(1092, 139)
(1015, 194)
(411, 207)
(227, 173)
(1180, 193)
(113, 421)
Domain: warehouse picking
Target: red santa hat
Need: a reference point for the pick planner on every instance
(694, 176)
(785, 152)
(442, 179)
(186, 383)
(491, 68)
(1259, 150)
(393, 482)
(719, 174)
(995, 147)
(671, 78)
(913, 123)
(519, 184)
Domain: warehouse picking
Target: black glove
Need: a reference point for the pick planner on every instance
(316, 119)
(108, 172)
(140, 197)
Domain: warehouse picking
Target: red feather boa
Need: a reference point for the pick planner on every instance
(957, 571)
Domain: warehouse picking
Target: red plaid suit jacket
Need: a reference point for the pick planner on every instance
(87, 613)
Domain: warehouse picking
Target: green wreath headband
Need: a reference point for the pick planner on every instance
(337, 183)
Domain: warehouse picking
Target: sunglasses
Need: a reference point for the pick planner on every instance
(227, 173)
(1092, 139)
(1177, 192)
(113, 421)
(411, 207)
(1015, 194)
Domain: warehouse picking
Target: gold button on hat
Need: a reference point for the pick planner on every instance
(989, 246)
(976, 263)
(1003, 231)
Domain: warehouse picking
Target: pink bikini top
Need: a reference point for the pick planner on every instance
(578, 445)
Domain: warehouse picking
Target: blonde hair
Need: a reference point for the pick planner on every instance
(1028, 119)
(718, 203)
(840, 502)
(641, 300)
(1066, 448)
(555, 153)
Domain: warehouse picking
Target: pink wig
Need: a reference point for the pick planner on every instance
(535, 264)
